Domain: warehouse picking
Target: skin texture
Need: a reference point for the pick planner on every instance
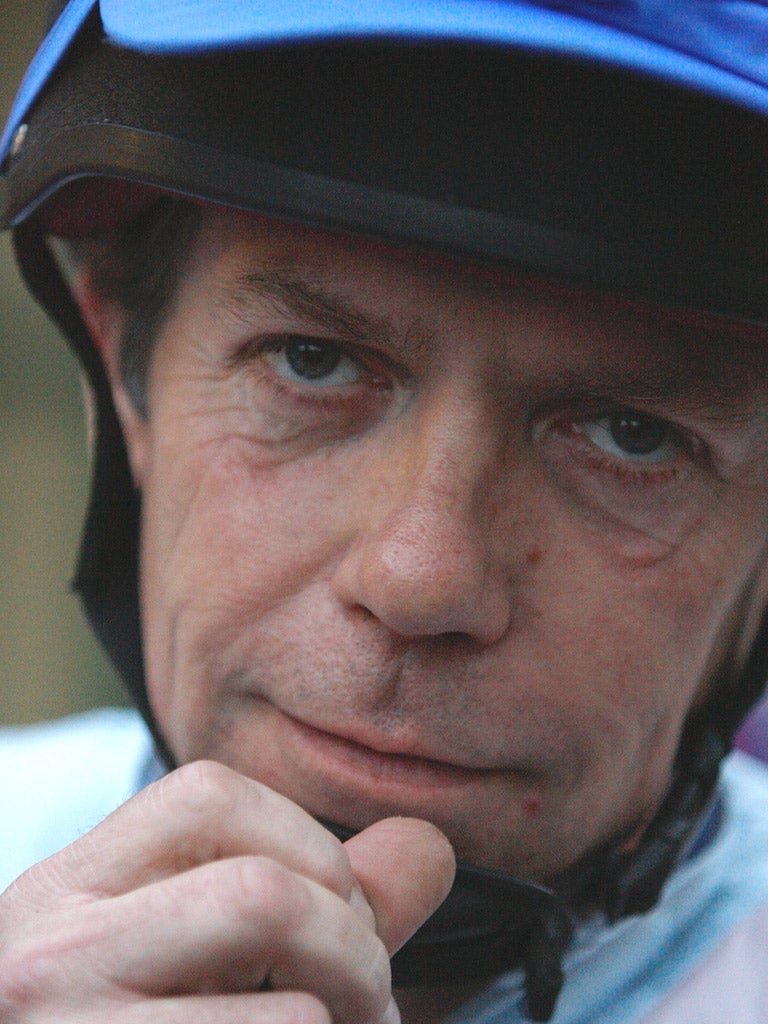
(189, 899)
(420, 539)
(425, 585)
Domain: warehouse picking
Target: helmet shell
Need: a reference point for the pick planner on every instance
(580, 140)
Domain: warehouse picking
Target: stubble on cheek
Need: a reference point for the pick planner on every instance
(606, 751)
(591, 719)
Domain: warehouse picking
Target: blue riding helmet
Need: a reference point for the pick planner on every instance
(617, 145)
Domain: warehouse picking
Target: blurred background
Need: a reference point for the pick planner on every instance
(49, 664)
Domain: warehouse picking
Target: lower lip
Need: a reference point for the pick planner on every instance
(334, 753)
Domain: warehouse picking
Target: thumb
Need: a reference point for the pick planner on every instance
(405, 868)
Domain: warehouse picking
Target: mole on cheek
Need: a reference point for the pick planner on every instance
(532, 805)
(533, 555)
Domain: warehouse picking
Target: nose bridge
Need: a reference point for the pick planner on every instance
(439, 478)
(424, 560)
(448, 458)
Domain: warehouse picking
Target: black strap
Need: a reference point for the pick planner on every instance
(107, 571)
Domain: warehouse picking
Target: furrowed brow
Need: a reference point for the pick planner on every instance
(316, 304)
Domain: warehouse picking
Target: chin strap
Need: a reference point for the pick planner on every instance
(633, 881)
(489, 923)
(492, 922)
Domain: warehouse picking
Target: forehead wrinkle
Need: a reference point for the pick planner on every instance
(315, 303)
(715, 390)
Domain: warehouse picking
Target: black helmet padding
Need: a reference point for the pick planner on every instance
(596, 175)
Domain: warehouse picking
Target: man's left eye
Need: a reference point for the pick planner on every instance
(313, 361)
(633, 437)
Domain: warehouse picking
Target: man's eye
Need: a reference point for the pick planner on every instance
(633, 437)
(313, 361)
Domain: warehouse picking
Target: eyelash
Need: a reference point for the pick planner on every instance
(627, 471)
(384, 377)
(372, 377)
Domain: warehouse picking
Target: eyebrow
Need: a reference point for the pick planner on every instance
(315, 303)
(707, 395)
(715, 398)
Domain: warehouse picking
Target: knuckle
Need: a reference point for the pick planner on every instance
(262, 890)
(200, 789)
(333, 869)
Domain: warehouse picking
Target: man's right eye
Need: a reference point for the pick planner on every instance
(311, 361)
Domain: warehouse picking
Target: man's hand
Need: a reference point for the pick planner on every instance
(210, 899)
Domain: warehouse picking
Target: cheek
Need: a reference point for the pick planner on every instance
(224, 541)
(627, 647)
(664, 630)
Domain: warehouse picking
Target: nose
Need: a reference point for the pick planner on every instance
(428, 554)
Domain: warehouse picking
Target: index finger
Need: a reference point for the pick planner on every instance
(199, 813)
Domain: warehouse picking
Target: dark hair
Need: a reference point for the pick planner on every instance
(139, 266)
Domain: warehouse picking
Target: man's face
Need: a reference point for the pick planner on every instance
(430, 539)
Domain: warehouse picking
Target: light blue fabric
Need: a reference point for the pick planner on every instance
(62, 778)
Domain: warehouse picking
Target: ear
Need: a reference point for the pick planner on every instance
(104, 320)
